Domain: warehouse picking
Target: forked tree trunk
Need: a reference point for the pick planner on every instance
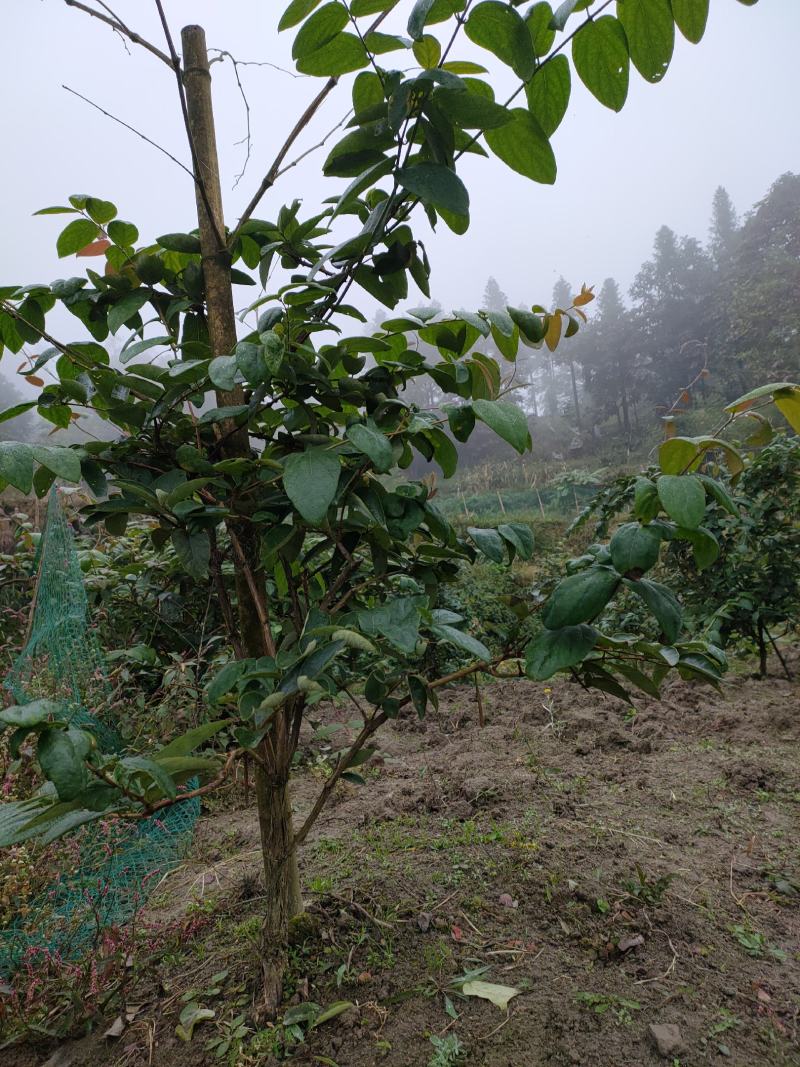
(272, 776)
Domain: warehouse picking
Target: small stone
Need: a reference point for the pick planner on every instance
(667, 1039)
(507, 901)
(424, 921)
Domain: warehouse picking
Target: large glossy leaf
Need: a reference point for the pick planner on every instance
(320, 29)
(29, 715)
(436, 184)
(61, 762)
(472, 111)
(76, 236)
(555, 650)
(548, 93)
(600, 55)
(311, 479)
(489, 542)
(506, 419)
(523, 146)
(126, 308)
(683, 497)
(650, 30)
(16, 465)
(580, 598)
(397, 621)
(690, 18)
(369, 440)
(342, 55)
(634, 548)
(500, 29)
(63, 462)
(296, 12)
(466, 642)
(519, 536)
(662, 603)
(418, 17)
(193, 550)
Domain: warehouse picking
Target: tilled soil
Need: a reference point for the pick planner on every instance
(634, 876)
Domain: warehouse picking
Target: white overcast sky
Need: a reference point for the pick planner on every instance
(726, 113)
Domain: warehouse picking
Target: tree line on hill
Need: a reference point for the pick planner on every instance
(703, 319)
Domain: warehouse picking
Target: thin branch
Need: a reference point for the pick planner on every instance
(270, 177)
(176, 66)
(314, 147)
(247, 139)
(274, 170)
(255, 63)
(132, 129)
(116, 24)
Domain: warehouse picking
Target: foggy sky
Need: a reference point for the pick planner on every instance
(726, 113)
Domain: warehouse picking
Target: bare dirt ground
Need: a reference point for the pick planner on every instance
(621, 871)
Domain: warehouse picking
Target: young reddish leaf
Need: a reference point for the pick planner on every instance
(96, 248)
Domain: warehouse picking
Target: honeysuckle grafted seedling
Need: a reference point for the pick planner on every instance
(267, 447)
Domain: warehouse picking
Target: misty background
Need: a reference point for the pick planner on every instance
(725, 115)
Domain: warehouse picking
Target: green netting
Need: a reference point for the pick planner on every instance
(105, 870)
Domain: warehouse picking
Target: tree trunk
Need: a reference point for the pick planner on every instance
(272, 789)
(762, 651)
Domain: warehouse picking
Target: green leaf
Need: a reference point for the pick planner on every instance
(466, 642)
(29, 715)
(61, 762)
(16, 465)
(720, 494)
(296, 12)
(63, 462)
(417, 18)
(472, 111)
(101, 211)
(192, 739)
(507, 420)
(489, 542)
(331, 1012)
(548, 94)
(523, 146)
(18, 409)
(187, 243)
(562, 13)
(600, 55)
(427, 52)
(580, 597)
(677, 454)
(662, 603)
(520, 536)
(311, 479)
(646, 504)
(436, 184)
(500, 29)
(369, 440)
(126, 308)
(322, 28)
(555, 650)
(194, 551)
(123, 234)
(79, 234)
(339, 56)
(634, 548)
(650, 30)
(787, 401)
(222, 371)
(683, 498)
(397, 621)
(704, 544)
(360, 8)
(690, 18)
